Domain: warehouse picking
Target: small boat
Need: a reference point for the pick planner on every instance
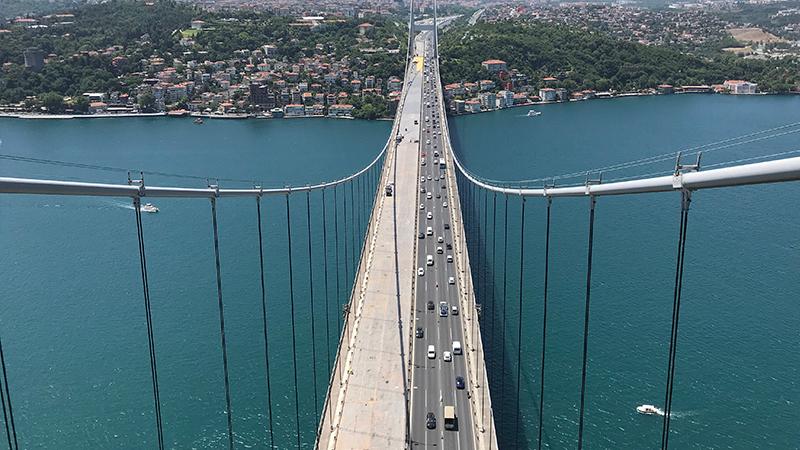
(149, 208)
(649, 410)
(534, 113)
(198, 121)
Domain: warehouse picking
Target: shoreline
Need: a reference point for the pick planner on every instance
(36, 116)
(616, 96)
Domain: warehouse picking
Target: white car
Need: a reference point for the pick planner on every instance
(440, 239)
(430, 195)
(449, 258)
(430, 216)
(421, 179)
(431, 352)
(422, 206)
(446, 356)
(444, 205)
(451, 280)
(439, 250)
(429, 178)
(421, 271)
(424, 162)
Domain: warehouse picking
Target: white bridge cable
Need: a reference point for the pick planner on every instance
(690, 151)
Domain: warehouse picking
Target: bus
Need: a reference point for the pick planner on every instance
(450, 418)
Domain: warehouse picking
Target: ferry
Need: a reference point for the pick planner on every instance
(149, 208)
(649, 410)
(198, 121)
(534, 113)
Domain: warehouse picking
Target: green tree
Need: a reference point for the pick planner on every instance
(53, 101)
(147, 102)
(80, 104)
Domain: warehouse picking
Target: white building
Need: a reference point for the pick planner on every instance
(740, 87)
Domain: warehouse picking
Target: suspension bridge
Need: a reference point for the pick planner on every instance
(404, 258)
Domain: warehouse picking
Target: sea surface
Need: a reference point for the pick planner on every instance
(738, 354)
(72, 318)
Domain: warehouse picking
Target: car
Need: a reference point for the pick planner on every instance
(422, 206)
(430, 216)
(430, 421)
(435, 178)
(429, 178)
(431, 352)
(422, 189)
(449, 258)
(422, 154)
(429, 196)
(447, 356)
(444, 186)
(420, 333)
(421, 271)
(439, 250)
(444, 204)
(389, 190)
(449, 246)
(440, 239)
(421, 235)
(421, 179)
(438, 195)
(446, 226)
(429, 260)
(454, 310)
(429, 231)
(424, 162)
(451, 280)
(459, 382)
(430, 305)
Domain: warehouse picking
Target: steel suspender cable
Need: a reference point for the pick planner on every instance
(592, 202)
(676, 307)
(264, 323)
(353, 231)
(311, 294)
(228, 411)
(494, 266)
(336, 252)
(519, 318)
(503, 315)
(5, 416)
(149, 318)
(485, 256)
(344, 241)
(291, 303)
(544, 320)
(7, 399)
(327, 298)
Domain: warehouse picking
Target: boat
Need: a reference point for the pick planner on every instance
(649, 410)
(149, 208)
(198, 121)
(534, 113)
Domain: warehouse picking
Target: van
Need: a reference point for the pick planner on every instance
(456, 347)
(429, 260)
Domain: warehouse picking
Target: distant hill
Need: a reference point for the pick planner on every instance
(581, 59)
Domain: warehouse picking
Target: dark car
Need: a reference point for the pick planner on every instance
(421, 236)
(449, 246)
(444, 186)
(430, 421)
(438, 195)
(446, 226)
(430, 305)
(459, 382)
(420, 333)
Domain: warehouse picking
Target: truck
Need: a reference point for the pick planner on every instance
(450, 421)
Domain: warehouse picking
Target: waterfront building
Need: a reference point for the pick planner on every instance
(486, 85)
(340, 111)
(547, 94)
(488, 100)
(494, 65)
(472, 106)
(459, 107)
(562, 94)
(294, 110)
(507, 97)
(740, 87)
(665, 89)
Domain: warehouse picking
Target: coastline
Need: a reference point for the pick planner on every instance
(36, 116)
(612, 97)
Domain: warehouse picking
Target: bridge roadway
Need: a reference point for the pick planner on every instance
(380, 361)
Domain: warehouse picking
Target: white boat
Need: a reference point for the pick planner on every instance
(534, 113)
(649, 410)
(149, 208)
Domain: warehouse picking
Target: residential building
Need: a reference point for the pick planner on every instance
(740, 87)
(294, 110)
(34, 58)
(472, 106)
(488, 100)
(494, 65)
(548, 94)
(340, 111)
